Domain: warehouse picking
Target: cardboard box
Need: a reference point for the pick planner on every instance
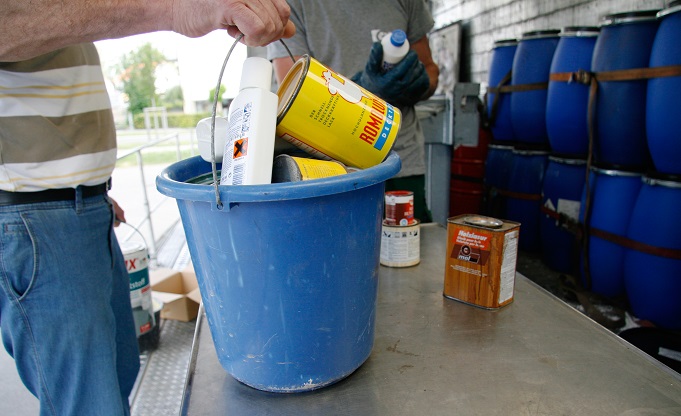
(179, 292)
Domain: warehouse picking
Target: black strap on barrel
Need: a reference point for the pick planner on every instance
(495, 104)
(592, 79)
(520, 195)
(669, 253)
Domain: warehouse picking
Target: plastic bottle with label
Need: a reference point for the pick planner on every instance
(395, 48)
(203, 137)
(249, 149)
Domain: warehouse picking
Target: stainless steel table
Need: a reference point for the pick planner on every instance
(436, 356)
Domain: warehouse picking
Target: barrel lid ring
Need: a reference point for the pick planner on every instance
(629, 17)
(540, 34)
(580, 31)
(674, 6)
(505, 42)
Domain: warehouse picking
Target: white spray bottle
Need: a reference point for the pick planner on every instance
(249, 149)
(395, 48)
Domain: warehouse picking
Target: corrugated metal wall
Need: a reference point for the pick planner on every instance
(485, 21)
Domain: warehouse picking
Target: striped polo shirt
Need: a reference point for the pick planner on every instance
(56, 125)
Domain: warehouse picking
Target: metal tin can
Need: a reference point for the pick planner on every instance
(137, 263)
(399, 207)
(482, 254)
(400, 244)
(293, 169)
(331, 117)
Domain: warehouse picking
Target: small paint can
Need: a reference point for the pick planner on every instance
(399, 207)
(293, 169)
(400, 244)
(137, 263)
(482, 254)
(331, 117)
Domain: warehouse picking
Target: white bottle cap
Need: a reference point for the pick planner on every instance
(256, 73)
(204, 140)
(398, 37)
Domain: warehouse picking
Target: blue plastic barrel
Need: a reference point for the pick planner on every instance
(561, 195)
(497, 171)
(567, 102)
(653, 282)
(500, 66)
(523, 199)
(288, 272)
(664, 94)
(613, 195)
(624, 43)
(532, 65)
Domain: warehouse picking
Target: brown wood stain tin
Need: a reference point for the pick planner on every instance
(482, 254)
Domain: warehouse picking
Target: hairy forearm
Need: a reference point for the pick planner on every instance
(31, 27)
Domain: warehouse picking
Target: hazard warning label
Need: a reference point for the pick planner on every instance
(240, 147)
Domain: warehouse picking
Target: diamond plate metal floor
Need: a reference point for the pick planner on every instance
(161, 382)
(163, 376)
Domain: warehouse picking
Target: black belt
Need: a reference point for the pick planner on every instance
(61, 194)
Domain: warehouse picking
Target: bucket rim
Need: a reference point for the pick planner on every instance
(172, 182)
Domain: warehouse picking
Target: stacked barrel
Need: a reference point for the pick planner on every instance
(586, 154)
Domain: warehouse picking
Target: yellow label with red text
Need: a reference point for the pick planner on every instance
(330, 117)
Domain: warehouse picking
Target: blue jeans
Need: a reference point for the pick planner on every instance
(65, 308)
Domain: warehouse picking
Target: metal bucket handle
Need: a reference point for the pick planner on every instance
(139, 233)
(219, 203)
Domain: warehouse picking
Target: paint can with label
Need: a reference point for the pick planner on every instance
(331, 117)
(399, 208)
(482, 254)
(401, 244)
(293, 169)
(137, 263)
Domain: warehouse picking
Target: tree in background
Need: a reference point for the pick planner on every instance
(173, 99)
(223, 88)
(137, 71)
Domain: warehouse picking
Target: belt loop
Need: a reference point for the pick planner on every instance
(79, 199)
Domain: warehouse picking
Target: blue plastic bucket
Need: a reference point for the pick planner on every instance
(567, 102)
(501, 65)
(523, 194)
(664, 95)
(497, 171)
(561, 195)
(288, 272)
(624, 43)
(613, 195)
(653, 282)
(532, 65)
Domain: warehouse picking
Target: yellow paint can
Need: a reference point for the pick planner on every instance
(293, 169)
(331, 117)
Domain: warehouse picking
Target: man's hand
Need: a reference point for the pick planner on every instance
(403, 85)
(261, 21)
(119, 214)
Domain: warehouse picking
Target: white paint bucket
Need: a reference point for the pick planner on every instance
(137, 263)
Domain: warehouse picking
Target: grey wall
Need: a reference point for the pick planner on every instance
(485, 21)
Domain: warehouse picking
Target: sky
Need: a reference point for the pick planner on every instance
(199, 60)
